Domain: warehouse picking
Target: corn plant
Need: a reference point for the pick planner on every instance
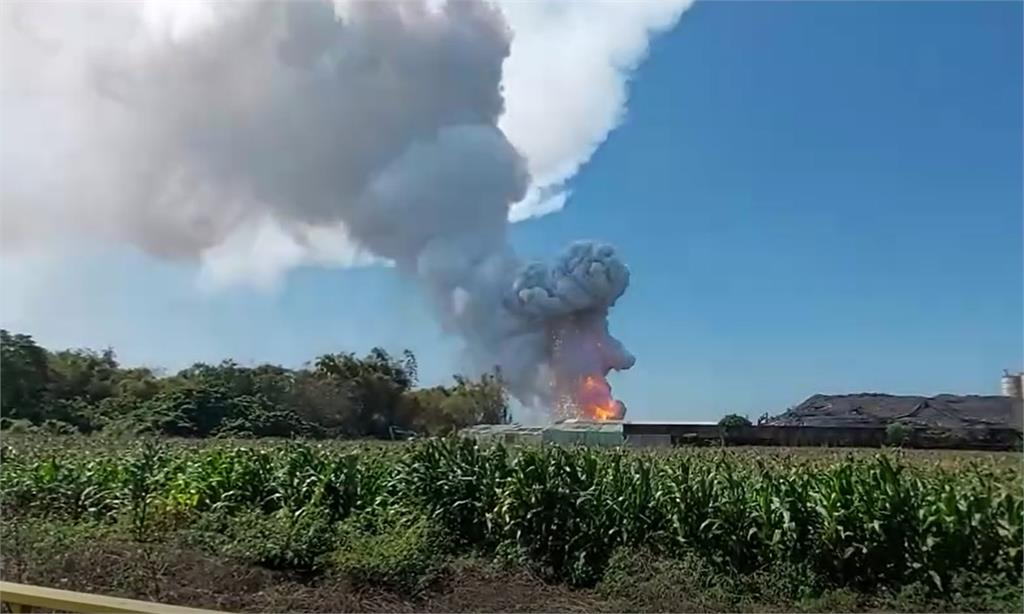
(861, 520)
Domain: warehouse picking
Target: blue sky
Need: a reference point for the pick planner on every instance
(811, 196)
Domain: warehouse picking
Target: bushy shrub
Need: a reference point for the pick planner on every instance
(651, 583)
(897, 433)
(782, 582)
(734, 420)
(406, 556)
(56, 427)
(511, 555)
(257, 417)
(298, 540)
(17, 426)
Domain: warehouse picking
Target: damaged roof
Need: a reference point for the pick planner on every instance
(872, 409)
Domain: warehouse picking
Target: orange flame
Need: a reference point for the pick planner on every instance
(601, 413)
(595, 400)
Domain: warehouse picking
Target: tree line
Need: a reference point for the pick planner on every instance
(337, 395)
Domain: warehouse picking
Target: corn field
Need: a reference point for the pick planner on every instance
(854, 520)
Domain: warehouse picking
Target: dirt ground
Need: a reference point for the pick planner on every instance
(185, 577)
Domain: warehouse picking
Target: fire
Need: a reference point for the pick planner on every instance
(595, 402)
(582, 355)
(602, 413)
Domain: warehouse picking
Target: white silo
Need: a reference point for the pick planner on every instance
(1013, 385)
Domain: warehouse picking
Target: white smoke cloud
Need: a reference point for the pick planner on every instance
(566, 80)
(261, 253)
(253, 138)
(564, 83)
(172, 125)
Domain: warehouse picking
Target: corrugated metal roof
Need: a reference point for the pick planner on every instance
(569, 432)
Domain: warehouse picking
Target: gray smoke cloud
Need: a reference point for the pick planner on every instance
(179, 132)
(568, 303)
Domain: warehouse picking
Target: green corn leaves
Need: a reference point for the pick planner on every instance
(857, 520)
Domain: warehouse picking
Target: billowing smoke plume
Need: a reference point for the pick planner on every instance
(195, 130)
(569, 305)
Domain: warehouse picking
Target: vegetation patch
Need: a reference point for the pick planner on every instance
(700, 529)
(83, 391)
(406, 555)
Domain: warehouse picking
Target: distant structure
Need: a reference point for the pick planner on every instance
(1013, 385)
(871, 409)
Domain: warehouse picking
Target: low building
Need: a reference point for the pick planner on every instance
(568, 432)
(571, 432)
(508, 434)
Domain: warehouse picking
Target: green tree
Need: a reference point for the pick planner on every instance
(255, 416)
(190, 409)
(375, 386)
(322, 402)
(734, 420)
(897, 433)
(421, 411)
(441, 410)
(24, 376)
(341, 394)
(478, 402)
(83, 375)
(139, 384)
